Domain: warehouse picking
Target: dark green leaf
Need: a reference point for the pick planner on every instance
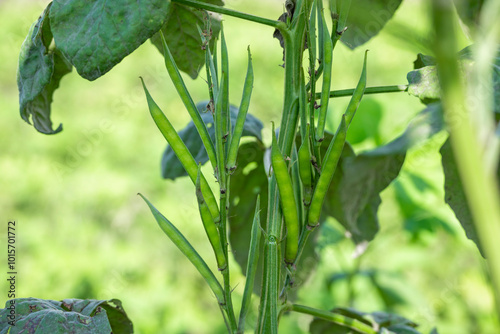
(171, 167)
(182, 36)
(96, 35)
(366, 18)
(455, 196)
(68, 316)
(424, 83)
(353, 197)
(39, 73)
(423, 61)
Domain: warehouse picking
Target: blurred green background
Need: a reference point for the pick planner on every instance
(82, 232)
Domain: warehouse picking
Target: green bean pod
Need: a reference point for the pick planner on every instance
(357, 95)
(187, 249)
(288, 203)
(242, 114)
(305, 171)
(328, 169)
(327, 60)
(181, 151)
(224, 58)
(253, 260)
(209, 225)
(178, 82)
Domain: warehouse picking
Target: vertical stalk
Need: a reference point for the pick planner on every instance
(479, 182)
(294, 44)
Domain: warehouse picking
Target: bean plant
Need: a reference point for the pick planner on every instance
(307, 174)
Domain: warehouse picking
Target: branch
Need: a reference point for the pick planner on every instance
(368, 90)
(221, 10)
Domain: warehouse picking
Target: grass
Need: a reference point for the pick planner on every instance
(83, 233)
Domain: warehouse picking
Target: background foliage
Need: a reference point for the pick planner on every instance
(83, 232)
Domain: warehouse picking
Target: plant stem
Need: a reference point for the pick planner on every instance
(230, 12)
(344, 321)
(479, 182)
(368, 90)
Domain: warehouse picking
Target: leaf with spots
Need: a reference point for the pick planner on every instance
(183, 38)
(39, 73)
(73, 316)
(96, 35)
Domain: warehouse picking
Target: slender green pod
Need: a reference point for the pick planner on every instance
(305, 171)
(178, 82)
(213, 87)
(327, 59)
(357, 95)
(181, 151)
(242, 114)
(253, 259)
(219, 133)
(303, 111)
(269, 320)
(209, 225)
(329, 166)
(226, 117)
(343, 7)
(288, 203)
(185, 247)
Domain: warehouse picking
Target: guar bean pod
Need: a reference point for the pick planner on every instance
(178, 82)
(288, 203)
(209, 225)
(305, 171)
(187, 249)
(357, 95)
(327, 60)
(242, 114)
(181, 151)
(328, 169)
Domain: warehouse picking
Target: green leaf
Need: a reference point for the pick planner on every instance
(171, 167)
(96, 35)
(424, 83)
(353, 197)
(74, 316)
(39, 73)
(182, 36)
(455, 196)
(366, 18)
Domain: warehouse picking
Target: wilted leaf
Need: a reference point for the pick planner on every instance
(96, 35)
(183, 38)
(171, 167)
(39, 73)
(366, 18)
(68, 316)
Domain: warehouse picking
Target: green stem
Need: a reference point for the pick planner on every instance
(230, 12)
(368, 90)
(480, 182)
(338, 319)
